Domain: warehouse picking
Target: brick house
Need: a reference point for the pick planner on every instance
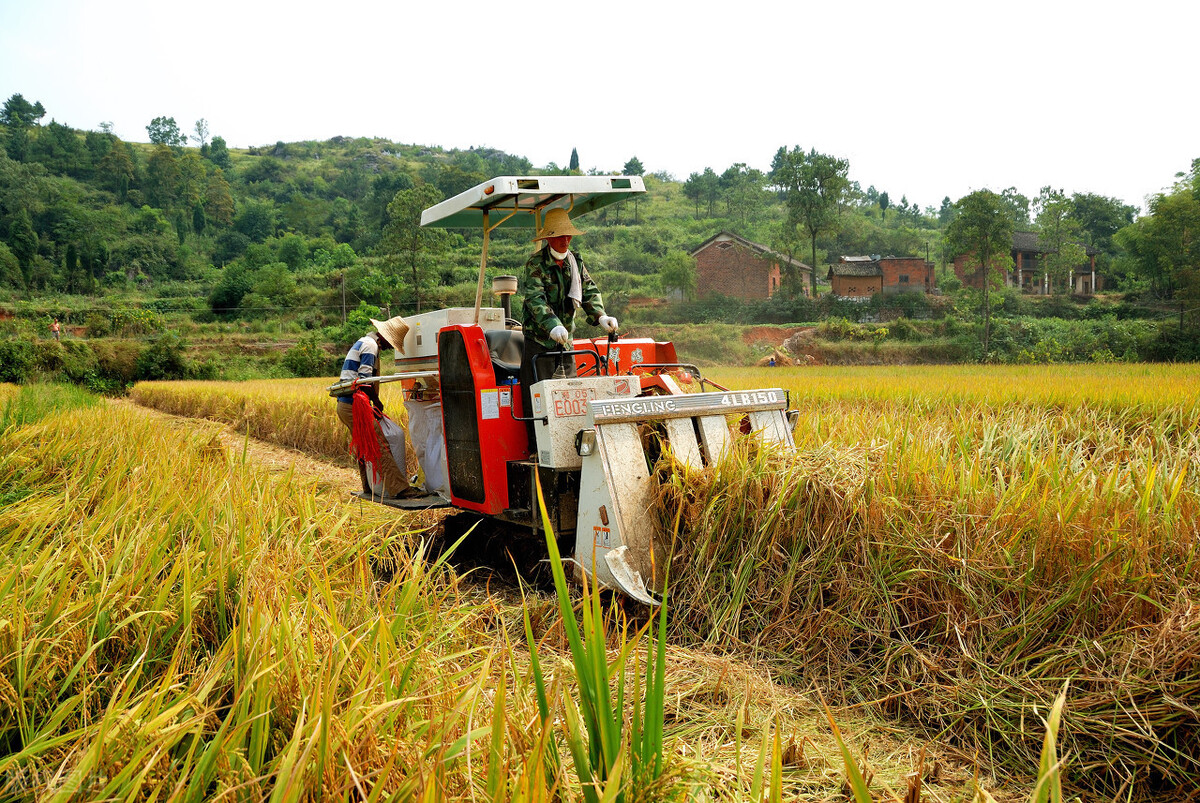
(733, 266)
(863, 276)
(1027, 271)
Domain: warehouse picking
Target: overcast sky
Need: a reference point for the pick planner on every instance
(925, 99)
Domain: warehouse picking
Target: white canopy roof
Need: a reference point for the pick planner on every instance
(514, 201)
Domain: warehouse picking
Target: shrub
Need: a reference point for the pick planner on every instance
(98, 324)
(117, 360)
(309, 357)
(16, 361)
(164, 358)
(47, 357)
(903, 329)
(78, 360)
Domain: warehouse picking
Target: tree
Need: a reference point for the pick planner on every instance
(678, 273)
(165, 131)
(982, 228)
(404, 236)
(743, 189)
(201, 135)
(23, 241)
(275, 283)
(218, 153)
(814, 186)
(256, 220)
(633, 167)
(192, 179)
(1100, 218)
(710, 188)
(693, 191)
(218, 201)
(1017, 205)
(21, 114)
(1165, 245)
(199, 220)
(1058, 236)
(884, 203)
(292, 251)
(10, 269)
(162, 178)
(946, 213)
(573, 165)
(116, 169)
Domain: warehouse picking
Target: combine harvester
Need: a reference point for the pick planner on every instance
(590, 456)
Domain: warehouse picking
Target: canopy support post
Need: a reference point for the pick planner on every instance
(487, 235)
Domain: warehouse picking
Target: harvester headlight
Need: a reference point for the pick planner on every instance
(585, 442)
(793, 418)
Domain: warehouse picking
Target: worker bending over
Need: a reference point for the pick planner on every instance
(362, 362)
(556, 284)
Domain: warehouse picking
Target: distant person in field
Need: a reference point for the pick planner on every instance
(556, 284)
(362, 362)
(56, 329)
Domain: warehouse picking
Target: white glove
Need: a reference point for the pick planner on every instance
(608, 323)
(560, 335)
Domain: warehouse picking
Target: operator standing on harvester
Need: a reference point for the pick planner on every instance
(556, 284)
(362, 362)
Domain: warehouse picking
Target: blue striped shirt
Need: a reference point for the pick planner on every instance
(360, 362)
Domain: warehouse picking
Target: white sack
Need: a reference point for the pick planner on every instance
(425, 428)
(393, 433)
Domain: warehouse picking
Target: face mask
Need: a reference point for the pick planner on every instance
(558, 256)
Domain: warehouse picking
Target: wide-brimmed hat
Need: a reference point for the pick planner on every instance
(557, 224)
(393, 330)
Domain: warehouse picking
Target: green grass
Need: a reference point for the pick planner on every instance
(34, 402)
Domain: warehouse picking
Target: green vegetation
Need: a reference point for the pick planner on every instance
(245, 254)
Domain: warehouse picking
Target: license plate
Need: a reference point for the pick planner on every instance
(570, 403)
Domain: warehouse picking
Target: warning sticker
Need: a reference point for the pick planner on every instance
(506, 397)
(489, 404)
(602, 537)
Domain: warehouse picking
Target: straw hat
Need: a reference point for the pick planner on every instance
(557, 224)
(393, 330)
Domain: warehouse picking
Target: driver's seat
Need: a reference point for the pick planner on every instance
(507, 348)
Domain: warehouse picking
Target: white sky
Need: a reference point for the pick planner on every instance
(925, 98)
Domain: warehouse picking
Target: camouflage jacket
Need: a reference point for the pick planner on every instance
(546, 302)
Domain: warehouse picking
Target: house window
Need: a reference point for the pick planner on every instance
(903, 278)
(725, 245)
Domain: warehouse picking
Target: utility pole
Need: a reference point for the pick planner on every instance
(343, 296)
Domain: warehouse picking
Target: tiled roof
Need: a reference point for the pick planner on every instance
(855, 269)
(758, 248)
(1028, 241)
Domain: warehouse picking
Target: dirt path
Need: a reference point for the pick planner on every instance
(276, 459)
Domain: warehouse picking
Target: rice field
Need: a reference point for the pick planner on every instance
(957, 545)
(950, 548)
(296, 413)
(178, 623)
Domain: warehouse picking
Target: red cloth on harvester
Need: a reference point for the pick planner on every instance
(363, 443)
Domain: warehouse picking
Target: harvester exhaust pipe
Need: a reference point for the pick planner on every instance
(505, 286)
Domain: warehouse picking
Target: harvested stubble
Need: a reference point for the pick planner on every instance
(296, 413)
(174, 620)
(954, 553)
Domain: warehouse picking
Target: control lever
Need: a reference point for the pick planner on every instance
(612, 340)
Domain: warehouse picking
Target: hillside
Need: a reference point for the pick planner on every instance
(286, 242)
